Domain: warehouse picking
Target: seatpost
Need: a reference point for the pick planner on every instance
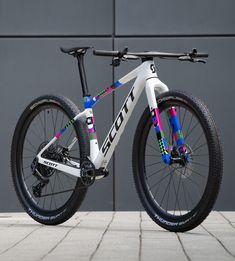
(80, 58)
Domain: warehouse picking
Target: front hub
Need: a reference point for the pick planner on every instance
(181, 157)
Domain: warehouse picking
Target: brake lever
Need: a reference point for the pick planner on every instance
(199, 61)
(190, 59)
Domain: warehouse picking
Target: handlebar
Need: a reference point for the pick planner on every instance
(120, 54)
(125, 55)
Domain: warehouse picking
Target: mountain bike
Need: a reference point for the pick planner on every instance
(177, 156)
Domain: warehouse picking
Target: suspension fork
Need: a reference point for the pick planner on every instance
(178, 137)
(177, 134)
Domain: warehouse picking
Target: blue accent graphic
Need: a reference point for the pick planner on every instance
(165, 142)
(175, 123)
(157, 129)
(88, 102)
(180, 141)
(167, 159)
(117, 84)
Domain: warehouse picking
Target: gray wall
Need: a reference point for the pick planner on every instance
(31, 33)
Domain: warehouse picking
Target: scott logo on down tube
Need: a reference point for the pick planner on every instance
(117, 124)
(153, 68)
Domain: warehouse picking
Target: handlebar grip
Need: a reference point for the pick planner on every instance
(202, 55)
(106, 53)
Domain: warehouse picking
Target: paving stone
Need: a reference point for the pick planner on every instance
(115, 236)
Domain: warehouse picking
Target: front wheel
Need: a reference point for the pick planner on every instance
(178, 197)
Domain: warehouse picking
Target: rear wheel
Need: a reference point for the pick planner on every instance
(178, 197)
(52, 196)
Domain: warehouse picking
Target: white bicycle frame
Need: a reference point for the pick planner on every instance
(146, 77)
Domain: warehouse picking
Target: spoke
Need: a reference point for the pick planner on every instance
(200, 146)
(33, 183)
(31, 145)
(159, 181)
(68, 176)
(56, 118)
(43, 127)
(28, 177)
(179, 115)
(154, 163)
(168, 194)
(156, 172)
(194, 182)
(53, 191)
(152, 155)
(185, 198)
(53, 122)
(51, 194)
(62, 121)
(153, 147)
(200, 164)
(167, 188)
(59, 185)
(45, 197)
(197, 140)
(183, 119)
(27, 167)
(36, 134)
(191, 131)
(170, 132)
(38, 200)
(196, 172)
(202, 155)
(159, 186)
(73, 150)
(69, 137)
(29, 150)
(188, 127)
(188, 193)
(175, 193)
(28, 157)
(178, 189)
(56, 193)
(154, 140)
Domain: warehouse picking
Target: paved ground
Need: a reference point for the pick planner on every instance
(115, 236)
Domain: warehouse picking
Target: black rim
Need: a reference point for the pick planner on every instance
(42, 125)
(175, 190)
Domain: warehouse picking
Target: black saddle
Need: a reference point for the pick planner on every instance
(75, 51)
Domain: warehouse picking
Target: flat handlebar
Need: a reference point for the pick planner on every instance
(120, 54)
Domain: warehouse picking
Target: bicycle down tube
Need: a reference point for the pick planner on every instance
(145, 76)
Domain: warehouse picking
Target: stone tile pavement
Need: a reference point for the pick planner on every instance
(115, 236)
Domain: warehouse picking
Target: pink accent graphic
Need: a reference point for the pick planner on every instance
(175, 136)
(158, 120)
(91, 130)
(172, 111)
(58, 134)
